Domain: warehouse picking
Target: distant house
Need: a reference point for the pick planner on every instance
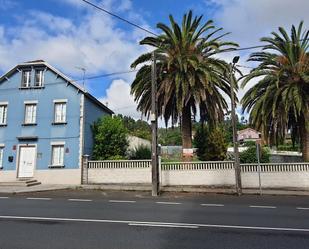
(248, 134)
(45, 124)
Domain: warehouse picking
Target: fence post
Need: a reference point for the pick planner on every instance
(85, 169)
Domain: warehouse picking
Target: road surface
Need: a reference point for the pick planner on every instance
(93, 219)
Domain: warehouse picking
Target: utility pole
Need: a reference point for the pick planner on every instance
(154, 128)
(235, 140)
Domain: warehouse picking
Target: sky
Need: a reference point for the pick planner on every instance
(70, 34)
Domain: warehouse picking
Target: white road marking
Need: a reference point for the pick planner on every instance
(4, 197)
(168, 203)
(286, 229)
(263, 207)
(121, 201)
(39, 198)
(212, 205)
(82, 200)
(302, 208)
(160, 225)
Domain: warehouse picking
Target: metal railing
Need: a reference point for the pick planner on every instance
(119, 164)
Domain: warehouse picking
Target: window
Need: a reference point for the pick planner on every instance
(57, 154)
(60, 111)
(39, 77)
(26, 78)
(1, 156)
(30, 113)
(3, 113)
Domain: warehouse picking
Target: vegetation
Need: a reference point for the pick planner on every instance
(280, 99)
(288, 147)
(250, 156)
(138, 128)
(141, 152)
(170, 136)
(210, 143)
(110, 139)
(189, 77)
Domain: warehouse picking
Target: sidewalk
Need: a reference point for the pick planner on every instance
(37, 188)
(141, 187)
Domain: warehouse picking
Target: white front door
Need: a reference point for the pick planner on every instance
(27, 156)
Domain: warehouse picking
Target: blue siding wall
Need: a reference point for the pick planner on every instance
(92, 113)
(54, 88)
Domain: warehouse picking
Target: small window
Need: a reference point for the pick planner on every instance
(26, 78)
(60, 112)
(39, 77)
(57, 155)
(3, 114)
(30, 113)
(1, 156)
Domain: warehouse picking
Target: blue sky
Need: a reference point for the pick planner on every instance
(70, 34)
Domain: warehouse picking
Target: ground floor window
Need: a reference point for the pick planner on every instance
(1, 156)
(57, 155)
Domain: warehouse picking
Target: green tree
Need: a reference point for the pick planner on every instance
(210, 143)
(250, 156)
(280, 99)
(169, 136)
(189, 76)
(110, 138)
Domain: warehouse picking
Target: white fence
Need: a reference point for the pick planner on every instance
(221, 173)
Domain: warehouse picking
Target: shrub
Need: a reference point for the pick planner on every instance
(249, 143)
(110, 138)
(249, 155)
(210, 143)
(141, 152)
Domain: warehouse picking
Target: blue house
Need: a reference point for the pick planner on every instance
(45, 124)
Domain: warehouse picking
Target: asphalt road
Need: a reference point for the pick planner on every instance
(93, 219)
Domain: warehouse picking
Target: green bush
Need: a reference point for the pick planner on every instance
(210, 143)
(249, 143)
(249, 155)
(288, 147)
(110, 139)
(141, 152)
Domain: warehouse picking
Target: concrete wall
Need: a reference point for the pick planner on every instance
(119, 176)
(135, 142)
(199, 174)
(48, 176)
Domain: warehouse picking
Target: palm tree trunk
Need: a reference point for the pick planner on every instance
(186, 128)
(304, 132)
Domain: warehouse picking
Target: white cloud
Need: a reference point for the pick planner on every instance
(119, 99)
(249, 20)
(93, 42)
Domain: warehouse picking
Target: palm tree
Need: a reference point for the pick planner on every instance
(189, 77)
(280, 99)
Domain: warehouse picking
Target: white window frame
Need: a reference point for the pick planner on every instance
(27, 83)
(3, 113)
(33, 112)
(60, 118)
(59, 161)
(1, 155)
(41, 77)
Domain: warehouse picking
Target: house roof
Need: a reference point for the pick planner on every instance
(248, 129)
(66, 78)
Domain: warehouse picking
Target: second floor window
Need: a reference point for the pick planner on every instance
(60, 112)
(39, 77)
(30, 113)
(3, 114)
(26, 78)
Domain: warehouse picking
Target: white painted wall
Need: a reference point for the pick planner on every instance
(198, 178)
(119, 176)
(48, 176)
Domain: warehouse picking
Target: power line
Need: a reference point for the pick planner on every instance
(150, 32)
(119, 17)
